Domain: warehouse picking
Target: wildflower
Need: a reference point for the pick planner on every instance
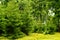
(51, 13)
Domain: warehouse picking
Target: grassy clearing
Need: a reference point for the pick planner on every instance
(36, 36)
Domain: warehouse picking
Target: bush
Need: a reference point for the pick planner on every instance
(21, 17)
(15, 23)
(47, 28)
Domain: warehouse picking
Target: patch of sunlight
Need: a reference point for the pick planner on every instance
(37, 36)
(0, 2)
(3, 38)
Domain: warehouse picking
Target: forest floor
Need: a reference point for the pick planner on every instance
(38, 36)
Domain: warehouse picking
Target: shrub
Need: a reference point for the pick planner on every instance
(47, 28)
(15, 23)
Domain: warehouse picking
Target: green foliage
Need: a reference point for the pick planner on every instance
(15, 23)
(21, 17)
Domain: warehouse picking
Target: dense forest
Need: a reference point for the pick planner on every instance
(22, 17)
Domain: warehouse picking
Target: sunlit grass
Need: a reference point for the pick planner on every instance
(3, 38)
(36, 36)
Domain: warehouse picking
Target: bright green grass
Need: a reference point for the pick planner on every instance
(3, 38)
(36, 36)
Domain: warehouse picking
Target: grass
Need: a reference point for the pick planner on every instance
(38, 36)
(3, 38)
